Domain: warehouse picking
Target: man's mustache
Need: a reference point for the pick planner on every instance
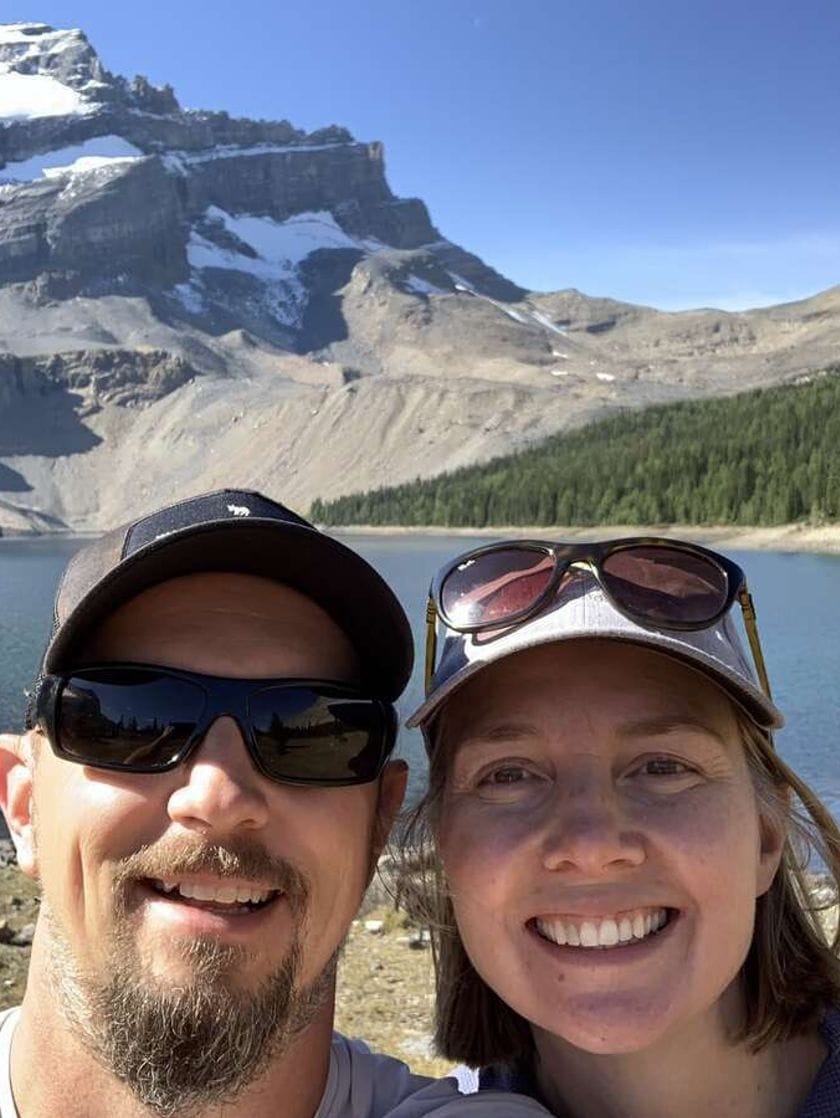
(170, 859)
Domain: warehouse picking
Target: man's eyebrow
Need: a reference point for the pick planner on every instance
(662, 727)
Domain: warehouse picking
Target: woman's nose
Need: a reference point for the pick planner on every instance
(588, 830)
(220, 790)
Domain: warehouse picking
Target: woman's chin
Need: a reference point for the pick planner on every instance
(602, 1040)
(604, 1026)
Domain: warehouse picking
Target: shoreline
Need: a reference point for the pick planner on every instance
(822, 539)
(815, 539)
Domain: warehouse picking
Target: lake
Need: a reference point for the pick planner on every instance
(797, 598)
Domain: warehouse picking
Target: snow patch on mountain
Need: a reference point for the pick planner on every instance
(419, 286)
(190, 297)
(525, 315)
(277, 246)
(29, 96)
(466, 288)
(544, 320)
(46, 72)
(90, 155)
(178, 161)
(203, 253)
(270, 251)
(15, 33)
(284, 242)
(23, 42)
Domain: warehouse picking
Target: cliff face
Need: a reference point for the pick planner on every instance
(117, 226)
(190, 300)
(106, 178)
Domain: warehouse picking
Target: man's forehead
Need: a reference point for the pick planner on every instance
(229, 611)
(224, 591)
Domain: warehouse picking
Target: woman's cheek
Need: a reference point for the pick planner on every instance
(482, 846)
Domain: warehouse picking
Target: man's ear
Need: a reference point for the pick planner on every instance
(16, 764)
(392, 785)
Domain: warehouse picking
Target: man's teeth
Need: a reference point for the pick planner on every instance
(219, 894)
(611, 931)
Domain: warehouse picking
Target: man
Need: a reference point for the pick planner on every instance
(202, 793)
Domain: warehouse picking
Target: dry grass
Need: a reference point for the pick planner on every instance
(386, 992)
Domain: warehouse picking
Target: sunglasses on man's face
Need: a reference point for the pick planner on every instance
(139, 718)
(664, 584)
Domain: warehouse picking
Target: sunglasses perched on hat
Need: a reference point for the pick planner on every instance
(660, 586)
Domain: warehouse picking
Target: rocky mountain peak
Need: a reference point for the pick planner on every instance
(42, 68)
(36, 49)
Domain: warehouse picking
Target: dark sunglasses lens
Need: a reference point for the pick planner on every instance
(306, 736)
(665, 584)
(124, 716)
(495, 587)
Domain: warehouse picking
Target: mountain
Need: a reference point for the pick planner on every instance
(189, 300)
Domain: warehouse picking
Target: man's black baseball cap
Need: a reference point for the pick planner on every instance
(242, 531)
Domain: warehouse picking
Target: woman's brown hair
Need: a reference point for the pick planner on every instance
(791, 975)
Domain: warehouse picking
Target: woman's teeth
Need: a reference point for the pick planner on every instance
(609, 931)
(217, 894)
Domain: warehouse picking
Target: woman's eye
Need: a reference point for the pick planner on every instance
(664, 766)
(512, 774)
(506, 776)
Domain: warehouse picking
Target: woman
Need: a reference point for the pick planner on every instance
(621, 847)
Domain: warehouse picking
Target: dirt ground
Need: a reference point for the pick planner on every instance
(386, 991)
(18, 909)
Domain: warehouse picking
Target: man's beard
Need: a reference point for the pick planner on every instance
(183, 1048)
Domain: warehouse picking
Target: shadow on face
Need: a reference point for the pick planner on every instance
(226, 624)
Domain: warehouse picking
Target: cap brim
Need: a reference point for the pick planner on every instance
(588, 615)
(337, 578)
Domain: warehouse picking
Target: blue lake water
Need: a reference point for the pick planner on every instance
(797, 597)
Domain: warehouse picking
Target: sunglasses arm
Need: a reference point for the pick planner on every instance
(748, 611)
(431, 642)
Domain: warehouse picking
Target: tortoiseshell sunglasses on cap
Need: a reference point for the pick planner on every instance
(666, 584)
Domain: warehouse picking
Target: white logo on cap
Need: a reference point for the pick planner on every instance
(239, 510)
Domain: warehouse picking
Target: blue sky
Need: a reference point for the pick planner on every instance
(659, 151)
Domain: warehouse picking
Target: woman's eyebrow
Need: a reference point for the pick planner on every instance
(497, 732)
(662, 727)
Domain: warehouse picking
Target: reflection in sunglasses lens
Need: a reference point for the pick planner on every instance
(126, 717)
(301, 735)
(665, 584)
(495, 586)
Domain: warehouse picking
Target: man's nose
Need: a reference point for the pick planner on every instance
(588, 830)
(220, 790)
